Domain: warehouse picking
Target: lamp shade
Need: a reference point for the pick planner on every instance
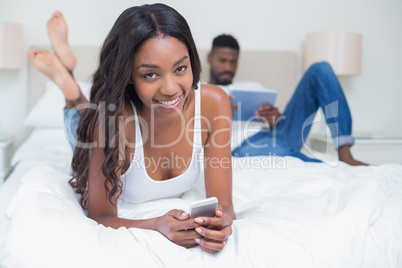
(341, 49)
(11, 46)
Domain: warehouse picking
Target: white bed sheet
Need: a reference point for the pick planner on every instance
(293, 214)
(45, 146)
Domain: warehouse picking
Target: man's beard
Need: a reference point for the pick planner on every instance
(222, 82)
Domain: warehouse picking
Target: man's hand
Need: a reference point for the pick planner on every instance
(233, 105)
(267, 113)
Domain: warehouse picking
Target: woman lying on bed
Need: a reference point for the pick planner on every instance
(147, 120)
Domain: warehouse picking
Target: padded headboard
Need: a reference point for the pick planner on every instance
(274, 69)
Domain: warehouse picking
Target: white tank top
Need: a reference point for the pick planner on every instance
(139, 187)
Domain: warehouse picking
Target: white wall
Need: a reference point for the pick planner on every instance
(374, 96)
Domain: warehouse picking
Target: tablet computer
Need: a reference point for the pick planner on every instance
(248, 101)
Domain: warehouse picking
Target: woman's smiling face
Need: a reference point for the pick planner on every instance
(162, 75)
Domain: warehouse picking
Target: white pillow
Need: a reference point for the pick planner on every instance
(48, 111)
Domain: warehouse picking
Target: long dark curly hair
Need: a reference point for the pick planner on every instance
(112, 88)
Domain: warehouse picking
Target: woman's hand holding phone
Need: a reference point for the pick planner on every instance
(214, 231)
(177, 226)
(199, 227)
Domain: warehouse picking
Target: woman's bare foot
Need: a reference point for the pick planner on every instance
(57, 31)
(47, 63)
(346, 156)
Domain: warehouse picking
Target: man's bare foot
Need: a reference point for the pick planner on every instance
(47, 63)
(57, 31)
(346, 156)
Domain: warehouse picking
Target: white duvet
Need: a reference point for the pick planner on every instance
(296, 215)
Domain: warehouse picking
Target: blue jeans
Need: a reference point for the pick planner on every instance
(71, 118)
(319, 87)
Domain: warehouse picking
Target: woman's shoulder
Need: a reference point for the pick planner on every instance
(214, 100)
(213, 94)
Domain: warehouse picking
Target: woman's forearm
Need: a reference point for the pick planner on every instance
(230, 211)
(116, 222)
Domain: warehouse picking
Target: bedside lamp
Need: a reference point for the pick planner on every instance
(11, 46)
(342, 50)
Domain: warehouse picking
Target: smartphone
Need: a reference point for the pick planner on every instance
(205, 207)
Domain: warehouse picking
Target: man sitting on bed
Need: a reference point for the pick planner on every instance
(318, 87)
